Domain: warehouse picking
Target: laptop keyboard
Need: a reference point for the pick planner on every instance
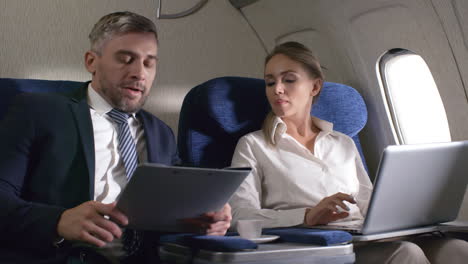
(353, 226)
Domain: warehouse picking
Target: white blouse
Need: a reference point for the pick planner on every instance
(287, 178)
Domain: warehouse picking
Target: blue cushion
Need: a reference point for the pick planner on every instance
(229, 243)
(215, 114)
(11, 87)
(211, 243)
(221, 243)
(311, 236)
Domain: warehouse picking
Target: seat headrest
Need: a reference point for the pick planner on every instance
(343, 106)
(11, 87)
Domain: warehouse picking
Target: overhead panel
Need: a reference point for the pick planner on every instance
(242, 3)
(461, 12)
(305, 21)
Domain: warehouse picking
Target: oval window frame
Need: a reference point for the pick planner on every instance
(388, 100)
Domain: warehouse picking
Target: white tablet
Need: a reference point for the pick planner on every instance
(157, 197)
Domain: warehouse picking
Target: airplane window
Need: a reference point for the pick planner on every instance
(412, 99)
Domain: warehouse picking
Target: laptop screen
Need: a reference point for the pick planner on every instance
(417, 185)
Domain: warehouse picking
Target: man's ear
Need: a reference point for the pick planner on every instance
(317, 87)
(90, 58)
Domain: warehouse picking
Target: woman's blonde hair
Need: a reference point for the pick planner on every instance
(299, 53)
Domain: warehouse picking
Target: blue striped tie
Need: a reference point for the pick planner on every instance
(127, 148)
(127, 145)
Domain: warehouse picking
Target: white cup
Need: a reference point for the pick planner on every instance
(249, 229)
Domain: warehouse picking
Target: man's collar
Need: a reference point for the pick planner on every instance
(95, 101)
(98, 103)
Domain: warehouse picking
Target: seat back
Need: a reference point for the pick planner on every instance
(11, 87)
(215, 114)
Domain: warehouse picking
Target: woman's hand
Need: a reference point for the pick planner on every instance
(329, 209)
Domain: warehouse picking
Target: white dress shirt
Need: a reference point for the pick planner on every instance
(287, 178)
(110, 174)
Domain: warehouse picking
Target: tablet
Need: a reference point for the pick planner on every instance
(157, 197)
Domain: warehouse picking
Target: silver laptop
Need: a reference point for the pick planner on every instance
(417, 187)
(158, 197)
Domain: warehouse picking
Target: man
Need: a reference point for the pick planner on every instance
(65, 159)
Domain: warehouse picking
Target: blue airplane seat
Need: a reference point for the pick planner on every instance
(12, 87)
(215, 114)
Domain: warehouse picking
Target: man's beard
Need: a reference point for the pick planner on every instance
(119, 101)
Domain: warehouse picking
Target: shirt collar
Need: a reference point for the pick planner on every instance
(99, 104)
(279, 127)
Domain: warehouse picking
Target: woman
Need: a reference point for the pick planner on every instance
(304, 172)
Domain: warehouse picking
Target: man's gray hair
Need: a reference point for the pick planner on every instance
(119, 23)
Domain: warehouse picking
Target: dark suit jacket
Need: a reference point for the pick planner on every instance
(47, 166)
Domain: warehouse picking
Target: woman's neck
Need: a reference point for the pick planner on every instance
(300, 126)
(303, 130)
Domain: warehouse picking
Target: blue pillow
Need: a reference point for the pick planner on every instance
(310, 236)
(221, 243)
(211, 243)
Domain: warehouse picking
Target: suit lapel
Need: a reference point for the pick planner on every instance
(80, 109)
(150, 136)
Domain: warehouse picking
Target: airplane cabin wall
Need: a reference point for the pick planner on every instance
(350, 36)
(47, 39)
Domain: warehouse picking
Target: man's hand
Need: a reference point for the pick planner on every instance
(87, 223)
(211, 223)
(328, 210)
